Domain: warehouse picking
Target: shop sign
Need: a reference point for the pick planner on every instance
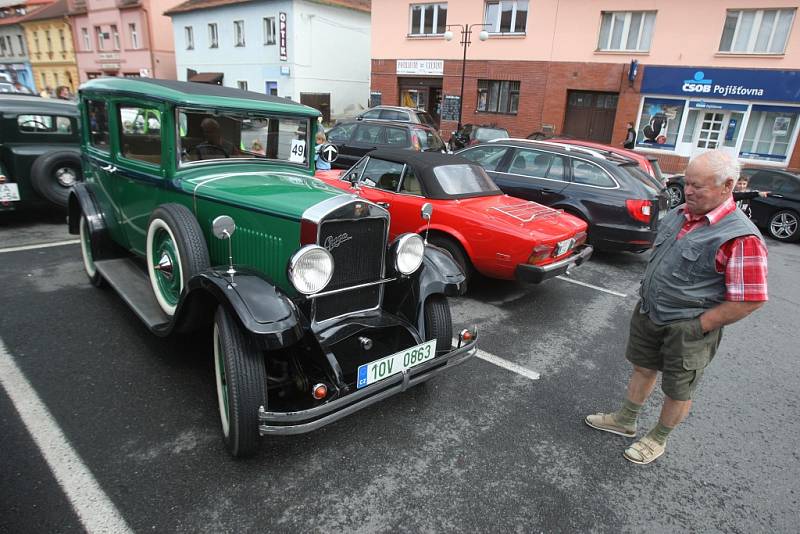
(105, 56)
(430, 67)
(737, 84)
(282, 36)
(717, 105)
(109, 66)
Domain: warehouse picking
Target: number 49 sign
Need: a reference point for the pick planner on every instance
(297, 154)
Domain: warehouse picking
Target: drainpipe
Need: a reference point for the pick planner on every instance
(150, 41)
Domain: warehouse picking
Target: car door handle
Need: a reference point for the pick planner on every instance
(384, 205)
(109, 168)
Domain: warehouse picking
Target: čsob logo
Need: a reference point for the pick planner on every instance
(698, 84)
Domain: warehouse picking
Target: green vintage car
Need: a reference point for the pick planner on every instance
(207, 216)
(39, 151)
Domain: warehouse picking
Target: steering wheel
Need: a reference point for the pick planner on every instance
(208, 147)
(37, 124)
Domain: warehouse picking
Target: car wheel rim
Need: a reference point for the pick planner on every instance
(66, 176)
(86, 249)
(167, 266)
(222, 383)
(674, 196)
(784, 225)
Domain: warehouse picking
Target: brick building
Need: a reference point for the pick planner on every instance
(564, 67)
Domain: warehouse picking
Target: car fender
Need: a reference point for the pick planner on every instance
(81, 200)
(451, 232)
(262, 309)
(574, 209)
(439, 274)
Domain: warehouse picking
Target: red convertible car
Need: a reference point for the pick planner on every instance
(483, 229)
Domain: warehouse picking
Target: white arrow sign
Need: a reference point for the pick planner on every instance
(328, 153)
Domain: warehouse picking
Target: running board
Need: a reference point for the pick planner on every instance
(133, 285)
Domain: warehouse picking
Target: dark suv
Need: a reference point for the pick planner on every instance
(39, 151)
(353, 139)
(620, 203)
(397, 113)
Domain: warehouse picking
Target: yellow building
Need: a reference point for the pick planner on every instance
(50, 47)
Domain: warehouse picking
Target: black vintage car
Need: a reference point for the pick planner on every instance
(620, 203)
(353, 139)
(39, 151)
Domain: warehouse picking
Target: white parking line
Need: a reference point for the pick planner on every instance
(505, 364)
(94, 509)
(598, 288)
(41, 245)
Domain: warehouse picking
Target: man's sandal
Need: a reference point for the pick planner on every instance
(608, 423)
(644, 451)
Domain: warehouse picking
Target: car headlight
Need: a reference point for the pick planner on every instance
(310, 269)
(410, 249)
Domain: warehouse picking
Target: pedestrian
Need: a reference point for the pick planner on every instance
(630, 137)
(62, 93)
(319, 162)
(708, 269)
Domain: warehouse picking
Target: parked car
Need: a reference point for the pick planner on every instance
(617, 200)
(315, 313)
(674, 185)
(398, 114)
(353, 139)
(39, 151)
(482, 229)
(470, 134)
(778, 213)
(647, 163)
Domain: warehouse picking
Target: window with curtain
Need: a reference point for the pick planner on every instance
(626, 31)
(498, 96)
(506, 16)
(428, 19)
(756, 31)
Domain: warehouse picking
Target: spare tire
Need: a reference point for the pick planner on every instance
(53, 174)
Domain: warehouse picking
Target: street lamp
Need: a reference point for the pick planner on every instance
(466, 34)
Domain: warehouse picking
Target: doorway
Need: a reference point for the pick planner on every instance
(320, 102)
(590, 115)
(424, 94)
(710, 130)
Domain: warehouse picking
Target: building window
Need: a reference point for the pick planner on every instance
(10, 46)
(506, 16)
(660, 122)
(2, 47)
(269, 30)
(87, 43)
(134, 36)
(498, 96)
(44, 81)
(188, 35)
(21, 42)
(769, 133)
(756, 31)
(238, 32)
(49, 41)
(213, 36)
(36, 42)
(55, 79)
(428, 19)
(62, 41)
(101, 38)
(626, 30)
(115, 37)
(242, 84)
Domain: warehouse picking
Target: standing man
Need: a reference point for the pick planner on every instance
(630, 138)
(708, 269)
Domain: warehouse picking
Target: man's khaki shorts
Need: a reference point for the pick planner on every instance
(679, 350)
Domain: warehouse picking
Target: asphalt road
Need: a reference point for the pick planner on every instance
(481, 449)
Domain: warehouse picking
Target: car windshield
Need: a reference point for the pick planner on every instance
(213, 135)
(464, 179)
(487, 134)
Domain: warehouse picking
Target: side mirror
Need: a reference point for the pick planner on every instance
(427, 211)
(223, 227)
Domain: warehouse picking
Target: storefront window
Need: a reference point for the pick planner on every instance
(413, 98)
(769, 132)
(659, 124)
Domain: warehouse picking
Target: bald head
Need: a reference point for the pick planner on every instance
(721, 163)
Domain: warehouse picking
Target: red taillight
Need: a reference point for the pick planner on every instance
(641, 210)
(540, 253)
(580, 239)
(308, 233)
(319, 392)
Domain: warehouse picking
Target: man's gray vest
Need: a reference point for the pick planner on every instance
(681, 280)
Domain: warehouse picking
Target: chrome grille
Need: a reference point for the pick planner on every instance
(358, 248)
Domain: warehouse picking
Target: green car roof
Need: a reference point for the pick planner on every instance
(199, 94)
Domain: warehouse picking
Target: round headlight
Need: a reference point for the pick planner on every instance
(410, 249)
(310, 269)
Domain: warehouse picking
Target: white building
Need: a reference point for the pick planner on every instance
(316, 52)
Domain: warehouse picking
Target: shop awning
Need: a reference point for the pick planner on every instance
(207, 77)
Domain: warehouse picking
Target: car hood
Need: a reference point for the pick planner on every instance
(284, 193)
(529, 218)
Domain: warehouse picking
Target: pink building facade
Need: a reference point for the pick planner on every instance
(690, 75)
(123, 38)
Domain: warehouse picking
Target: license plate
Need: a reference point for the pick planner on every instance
(563, 246)
(9, 193)
(372, 372)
